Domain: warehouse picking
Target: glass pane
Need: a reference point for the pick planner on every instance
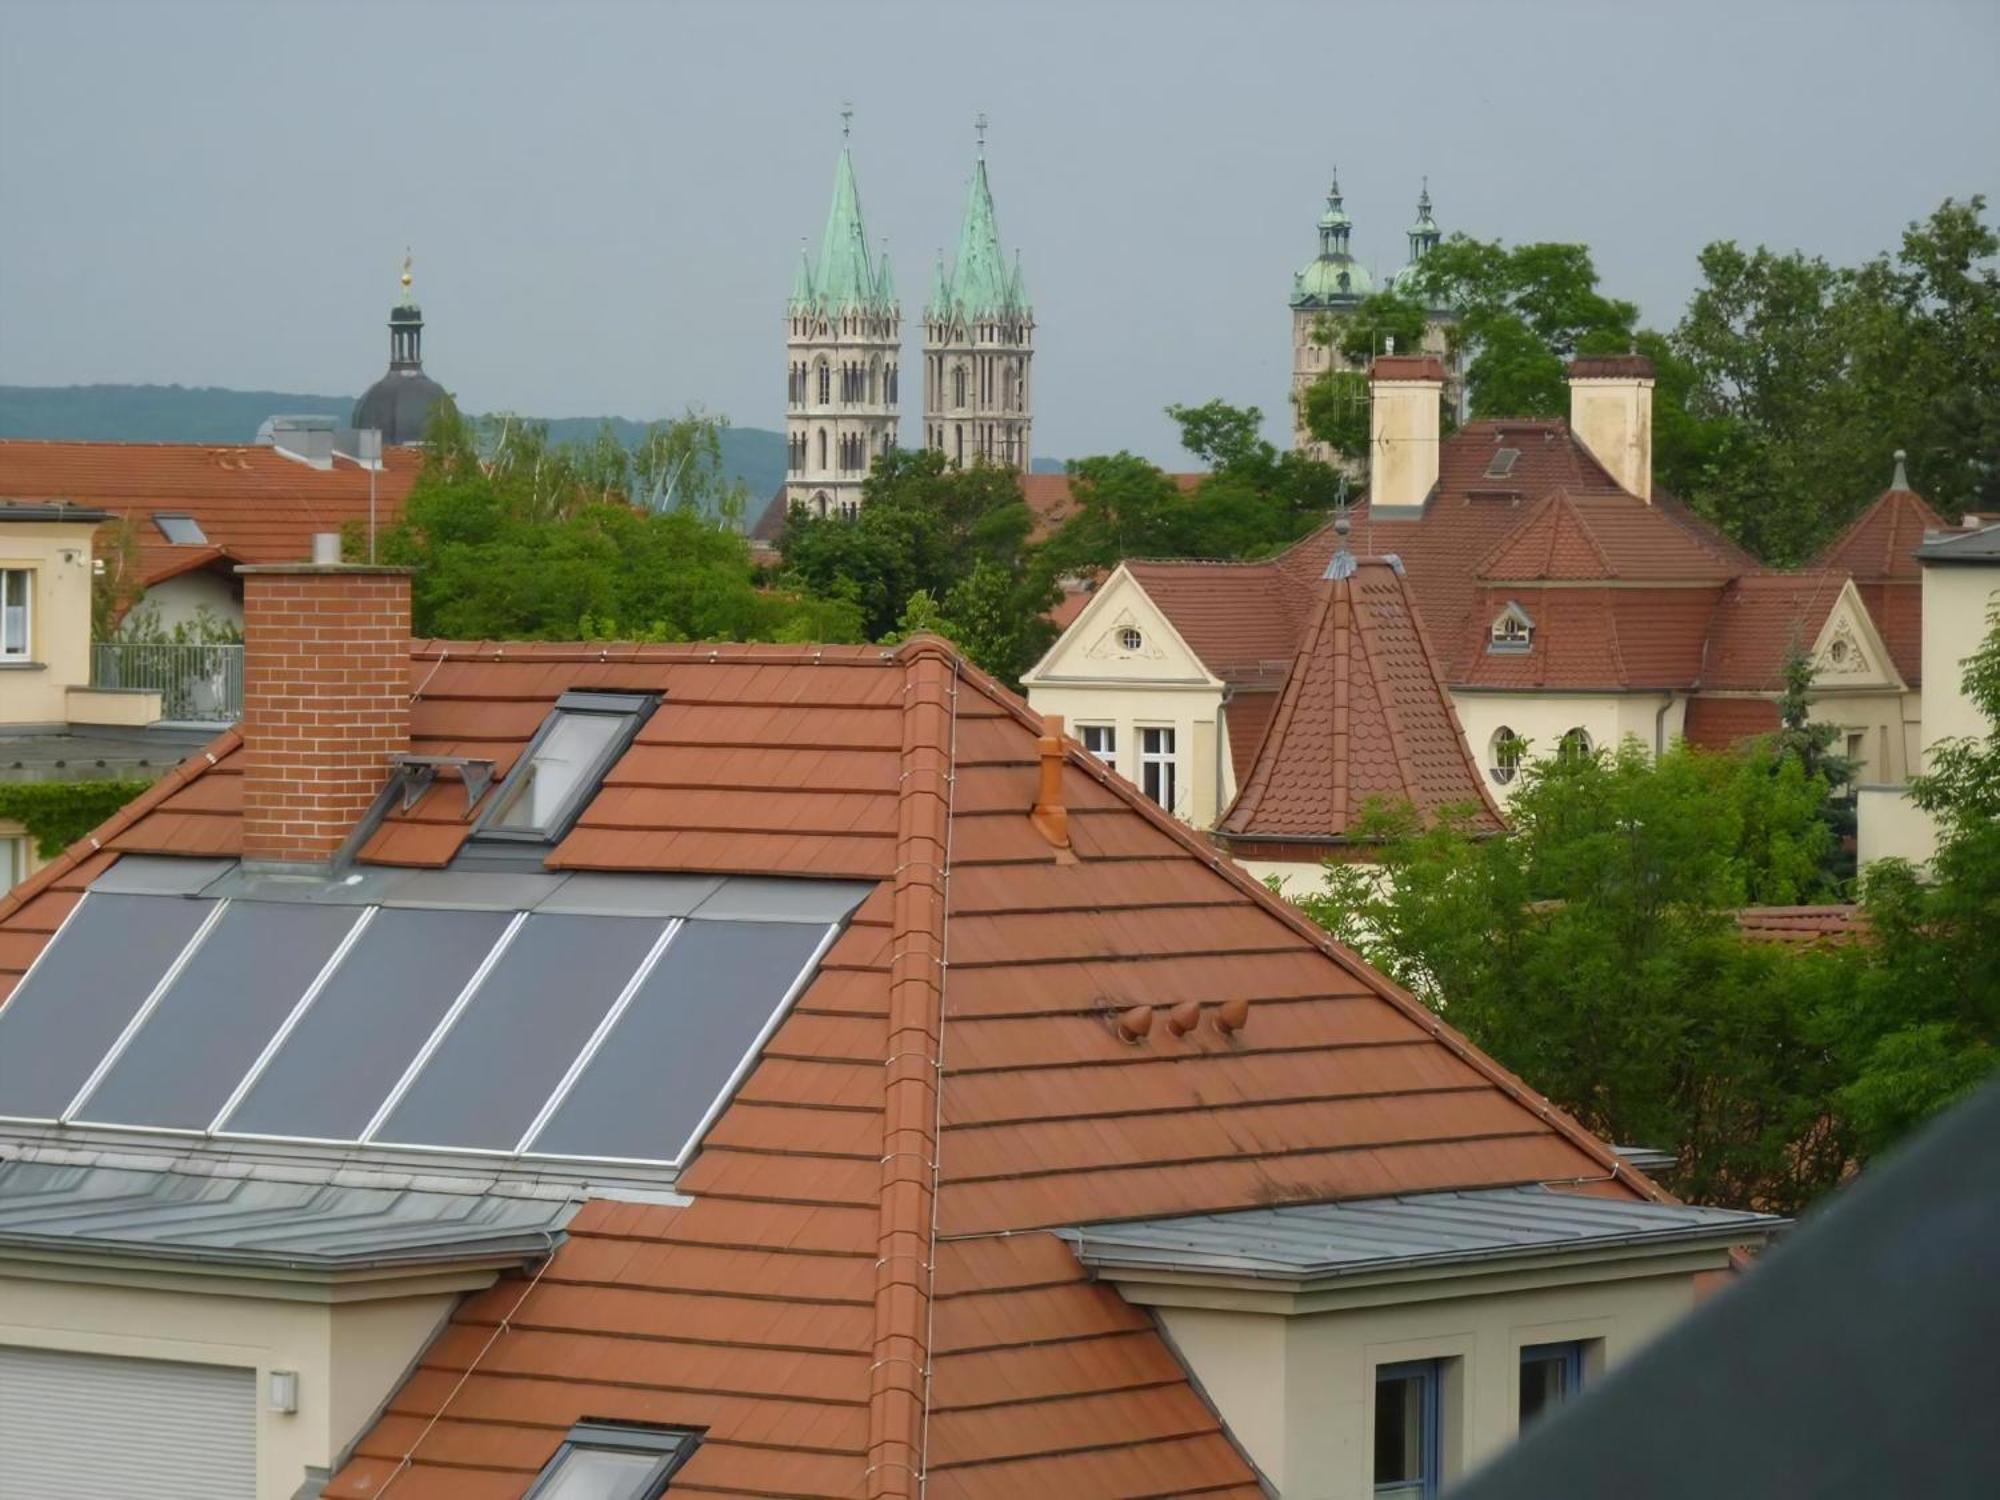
(385, 999)
(542, 789)
(14, 612)
(90, 983)
(520, 1032)
(211, 1025)
(1399, 1429)
(1548, 1377)
(600, 1474)
(679, 1040)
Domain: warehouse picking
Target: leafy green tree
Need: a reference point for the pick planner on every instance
(1812, 745)
(1810, 376)
(1925, 1027)
(525, 540)
(1593, 950)
(955, 536)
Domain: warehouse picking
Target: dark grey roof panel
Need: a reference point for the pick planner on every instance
(1981, 546)
(347, 1051)
(1311, 1241)
(83, 991)
(681, 1040)
(213, 1021)
(161, 875)
(760, 898)
(589, 893)
(247, 1221)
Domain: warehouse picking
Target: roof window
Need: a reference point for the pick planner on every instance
(564, 764)
(182, 531)
(1513, 631)
(1503, 463)
(614, 1461)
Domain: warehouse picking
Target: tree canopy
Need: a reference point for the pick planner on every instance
(513, 538)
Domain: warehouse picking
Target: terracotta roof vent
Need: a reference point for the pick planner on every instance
(1133, 1024)
(1050, 817)
(1184, 1017)
(1232, 1015)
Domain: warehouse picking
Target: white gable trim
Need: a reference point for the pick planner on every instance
(1850, 651)
(1119, 601)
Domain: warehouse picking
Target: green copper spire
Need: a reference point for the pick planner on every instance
(885, 283)
(940, 288)
(980, 285)
(802, 279)
(844, 277)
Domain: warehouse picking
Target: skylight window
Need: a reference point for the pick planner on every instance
(182, 531)
(1503, 463)
(614, 1461)
(564, 763)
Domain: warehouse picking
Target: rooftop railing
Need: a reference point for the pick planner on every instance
(196, 684)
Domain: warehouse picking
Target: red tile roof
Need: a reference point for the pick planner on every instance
(1364, 714)
(789, 1307)
(254, 504)
(1052, 497)
(1718, 723)
(1881, 542)
(1802, 924)
(1762, 621)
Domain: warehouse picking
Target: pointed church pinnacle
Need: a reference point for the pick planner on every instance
(979, 128)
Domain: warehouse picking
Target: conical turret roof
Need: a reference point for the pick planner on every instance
(845, 278)
(1364, 713)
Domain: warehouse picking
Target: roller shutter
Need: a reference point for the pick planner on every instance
(89, 1426)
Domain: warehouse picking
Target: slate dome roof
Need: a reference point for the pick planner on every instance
(399, 404)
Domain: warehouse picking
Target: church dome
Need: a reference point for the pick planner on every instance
(1331, 279)
(399, 405)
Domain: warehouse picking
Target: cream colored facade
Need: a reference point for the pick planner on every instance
(350, 1338)
(55, 556)
(1957, 599)
(1614, 418)
(193, 597)
(1292, 1369)
(1122, 664)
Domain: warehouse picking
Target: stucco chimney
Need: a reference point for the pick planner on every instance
(1611, 410)
(326, 702)
(1405, 392)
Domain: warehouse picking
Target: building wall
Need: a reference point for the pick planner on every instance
(56, 555)
(1298, 1391)
(995, 422)
(182, 600)
(348, 1355)
(1313, 357)
(1888, 825)
(1542, 719)
(870, 341)
(1956, 600)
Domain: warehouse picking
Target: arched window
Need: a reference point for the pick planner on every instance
(1503, 755)
(822, 453)
(958, 385)
(874, 383)
(1575, 746)
(958, 439)
(1512, 631)
(825, 390)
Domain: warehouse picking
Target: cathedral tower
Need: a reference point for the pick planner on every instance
(979, 341)
(844, 339)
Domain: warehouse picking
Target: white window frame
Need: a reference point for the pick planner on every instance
(1576, 744)
(1159, 768)
(1512, 631)
(24, 649)
(1498, 766)
(1101, 740)
(1131, 638)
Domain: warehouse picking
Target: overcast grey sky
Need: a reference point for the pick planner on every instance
(606, 200)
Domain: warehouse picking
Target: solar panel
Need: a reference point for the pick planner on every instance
(328, 1077)
(680, 1040)
(83, 991)
(212, 1022)
(610, 1029)
(504, 1054)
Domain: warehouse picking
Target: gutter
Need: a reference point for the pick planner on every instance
(1660, 725)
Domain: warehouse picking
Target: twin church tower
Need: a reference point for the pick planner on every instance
(844, 342)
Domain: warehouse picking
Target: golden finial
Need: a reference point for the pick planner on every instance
(406, 273)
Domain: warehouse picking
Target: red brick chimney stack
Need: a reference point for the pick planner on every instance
(326, 700)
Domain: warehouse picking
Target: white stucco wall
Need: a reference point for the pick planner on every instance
(180, 601)
(349, 1354)
(1542, 719)
(1956, 599)
(56, 555)
(1298, 1391)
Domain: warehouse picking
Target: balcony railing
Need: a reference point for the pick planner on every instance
(196, 684)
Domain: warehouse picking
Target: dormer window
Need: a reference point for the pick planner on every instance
(614, 1461)
(564, 764)
(181, 531)
(1513, 630)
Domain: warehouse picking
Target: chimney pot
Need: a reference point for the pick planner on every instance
(1049, 815)
(326, 548)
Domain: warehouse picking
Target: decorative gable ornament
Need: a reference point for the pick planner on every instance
(1125, 640)
(1843, 655)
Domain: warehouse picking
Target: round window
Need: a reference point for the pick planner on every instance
(1130, 639)
(1503, 755)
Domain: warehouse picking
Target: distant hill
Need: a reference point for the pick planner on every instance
(211, 414)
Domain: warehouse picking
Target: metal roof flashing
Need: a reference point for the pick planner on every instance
(1303, 1249)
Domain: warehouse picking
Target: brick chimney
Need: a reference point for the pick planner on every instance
(326, 700)
(1405, 393)
(1611, 410)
